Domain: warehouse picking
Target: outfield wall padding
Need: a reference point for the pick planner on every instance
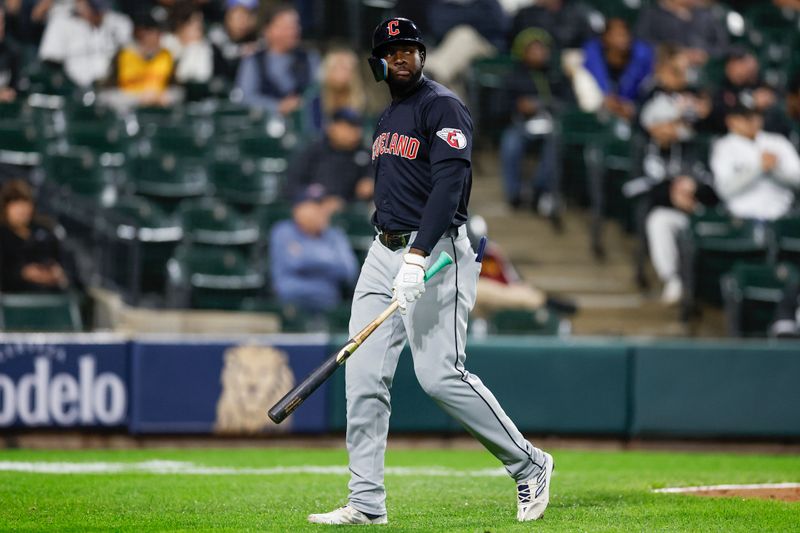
(624, 388)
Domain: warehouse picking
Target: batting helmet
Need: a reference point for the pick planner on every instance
(395, 30)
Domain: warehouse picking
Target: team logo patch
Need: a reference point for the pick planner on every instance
(453, 137)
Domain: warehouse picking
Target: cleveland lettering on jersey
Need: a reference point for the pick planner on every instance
(395, 144)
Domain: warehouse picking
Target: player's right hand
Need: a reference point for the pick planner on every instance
(409, 283)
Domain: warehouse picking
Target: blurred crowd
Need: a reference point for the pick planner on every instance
(681, 83)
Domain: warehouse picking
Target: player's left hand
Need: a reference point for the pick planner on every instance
(409, 283)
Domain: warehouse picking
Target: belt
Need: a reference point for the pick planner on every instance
(395, 240)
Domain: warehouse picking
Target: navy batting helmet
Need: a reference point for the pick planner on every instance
(395, 30)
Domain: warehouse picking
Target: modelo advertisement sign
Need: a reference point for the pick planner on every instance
(224, 387)
(51, 384)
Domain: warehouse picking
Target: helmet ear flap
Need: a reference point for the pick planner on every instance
(379, 68)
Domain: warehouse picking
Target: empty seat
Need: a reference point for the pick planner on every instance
(787, 238)
(524, 322)
(211, 221)
(18, 143)
(713, 245)
(751, 294)
(167, 176)
(244, 182)
(78, 170)
(40, 312)
(212, 278)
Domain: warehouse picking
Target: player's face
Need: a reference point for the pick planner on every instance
(405, 63)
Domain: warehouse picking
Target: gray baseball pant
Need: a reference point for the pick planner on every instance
(436, 327)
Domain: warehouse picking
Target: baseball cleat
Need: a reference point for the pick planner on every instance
(346, 516)
(533, 494)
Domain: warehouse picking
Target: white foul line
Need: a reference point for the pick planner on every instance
(188, 468)
(754, 486)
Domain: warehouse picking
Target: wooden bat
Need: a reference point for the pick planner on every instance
(298, 395)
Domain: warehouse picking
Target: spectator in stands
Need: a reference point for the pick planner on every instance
(236, 37)
(536, 91)
(338, 161)
(755, 173)
(9, 63)
(276, 76)
(686, 24)
(311, 262)
(741, 83)
(192, 52)
(340, 87)
(671, 83)
(465, 30)
(672, 182)
(143, 71)
(85, 42)
(568, 20)
(619, 65)
(30, 254)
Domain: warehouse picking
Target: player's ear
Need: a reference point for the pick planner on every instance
(422, 58)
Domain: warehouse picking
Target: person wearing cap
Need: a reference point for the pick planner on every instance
(235, 38)
(671, 182)
(143, 70)
(537, 91)
(756, 173)
(85, 42)
(338, 161)
(311, 263)
(276, 76)
(422, 159)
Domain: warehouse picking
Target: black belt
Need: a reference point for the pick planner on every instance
(395, 240)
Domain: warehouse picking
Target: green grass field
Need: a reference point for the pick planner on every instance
(591, 491)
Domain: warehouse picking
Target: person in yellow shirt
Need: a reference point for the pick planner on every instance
(143, 71)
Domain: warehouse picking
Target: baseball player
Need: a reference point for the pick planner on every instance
(421, 156)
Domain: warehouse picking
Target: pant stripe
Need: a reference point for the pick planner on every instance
(461, 371)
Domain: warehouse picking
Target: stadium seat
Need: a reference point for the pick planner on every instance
(486, 85)
(523, 322)
(713, 244)
(231, 118)
(212, 222)
(581, 135)
(108, 140)
(242, 182)
(168, 177)
(212, 278)
(156, 234)
(185, 140)
(19, 143)
(751, 294)
(40, 312)
(78, 170)
(787, 239)
(267, 215)
(356, 222)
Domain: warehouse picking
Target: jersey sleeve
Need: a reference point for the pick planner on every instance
(450, 127)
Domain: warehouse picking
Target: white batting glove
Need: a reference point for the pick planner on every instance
(409, 283)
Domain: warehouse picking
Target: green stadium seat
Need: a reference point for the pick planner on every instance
(713, 244)
(40, 312)
(751, 294)
(109, 141)
(19, 143)
(78, 170)
(212, 222)
(231, 118)
(356, 221)
(185, 140)
(168, 177)
(524, 322)
(212, 278)
(157, 115)
(42, 78)
(787, 239)
(157, 235)
(268, 215)
(243, 182)
(486, 84)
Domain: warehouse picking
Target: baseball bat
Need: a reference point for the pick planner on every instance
(298, 395)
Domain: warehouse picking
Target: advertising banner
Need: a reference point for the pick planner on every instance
(224, 387)
(51, 381)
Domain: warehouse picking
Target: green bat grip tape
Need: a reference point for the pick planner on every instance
(442, 261)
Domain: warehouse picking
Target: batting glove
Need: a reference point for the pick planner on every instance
(409, 283)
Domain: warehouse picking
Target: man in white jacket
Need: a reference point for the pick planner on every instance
(755, 173)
